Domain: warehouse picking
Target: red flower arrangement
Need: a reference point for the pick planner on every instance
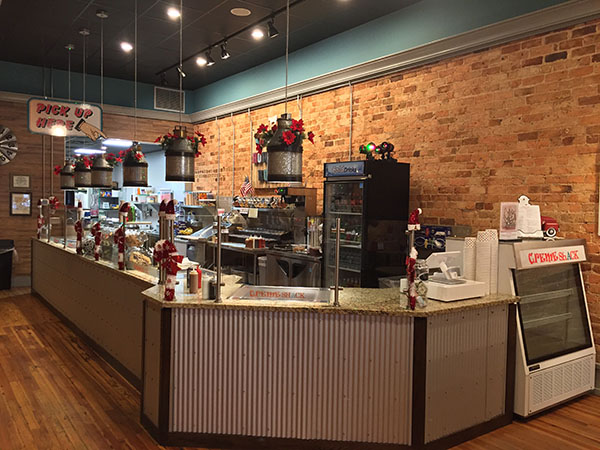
(112, 159)
(57, 170)
(196, 139)
(264, 134)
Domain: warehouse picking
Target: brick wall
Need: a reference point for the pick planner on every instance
(521, 118)
(29, 162)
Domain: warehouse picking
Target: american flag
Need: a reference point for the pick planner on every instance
(246, 188)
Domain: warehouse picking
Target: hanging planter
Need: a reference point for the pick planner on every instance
(67, 176)
(135, 167)
(83, 173)
(284, 147)
(102, 171)
(180, 152)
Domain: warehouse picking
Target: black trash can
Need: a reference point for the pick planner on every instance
(7, 247)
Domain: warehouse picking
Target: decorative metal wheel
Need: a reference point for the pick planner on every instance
(8, 145)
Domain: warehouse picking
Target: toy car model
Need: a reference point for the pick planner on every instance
(549, 226)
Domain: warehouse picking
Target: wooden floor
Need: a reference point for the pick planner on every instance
(56, 393)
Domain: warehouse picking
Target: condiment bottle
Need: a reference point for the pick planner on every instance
(193, 284)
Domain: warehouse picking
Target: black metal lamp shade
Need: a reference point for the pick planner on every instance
(180, 157)
(101, 173)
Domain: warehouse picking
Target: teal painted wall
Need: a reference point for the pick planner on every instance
(26, 79)
(418, 24)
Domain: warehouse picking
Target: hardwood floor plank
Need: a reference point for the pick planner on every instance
(57, 393)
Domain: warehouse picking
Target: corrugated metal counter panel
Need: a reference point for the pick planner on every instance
(292, 375)
(466, 369)
(105, 305)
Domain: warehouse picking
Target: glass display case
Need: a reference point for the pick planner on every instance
(373, 217)
(555, 355)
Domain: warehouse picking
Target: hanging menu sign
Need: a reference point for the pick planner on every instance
(60, 118)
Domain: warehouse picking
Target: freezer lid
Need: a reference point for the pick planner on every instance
(531, 254)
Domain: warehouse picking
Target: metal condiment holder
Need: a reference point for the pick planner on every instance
(336, 288)
(218, 298)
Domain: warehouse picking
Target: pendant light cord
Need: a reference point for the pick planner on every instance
(135, 61)
(180, 62)
(69, 73)
(84, 38)
(102, 63)
(287, 50)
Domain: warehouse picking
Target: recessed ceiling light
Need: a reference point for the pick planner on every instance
(201, 61)
(126, 47)
(88, 151)
(173, 13)
(241, 12)
(258, 33)
(112, 142)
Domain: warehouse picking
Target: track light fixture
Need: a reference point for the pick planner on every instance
(209, 59)
(272, 31)
(224, 53)
(181, 72)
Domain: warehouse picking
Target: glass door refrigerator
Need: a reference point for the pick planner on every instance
(555, 348)
(371, 199)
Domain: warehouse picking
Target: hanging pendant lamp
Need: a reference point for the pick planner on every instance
(284, 162)
(180, 156)
(135, 167)
(102, 173)
(83, 175)
(67, 177)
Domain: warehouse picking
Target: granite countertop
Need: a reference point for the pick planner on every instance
(104, 264)
(352, 301)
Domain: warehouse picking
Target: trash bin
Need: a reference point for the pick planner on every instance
(7, 246)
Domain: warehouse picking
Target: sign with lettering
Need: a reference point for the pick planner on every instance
(298, 294)
(345, 169)
(60, 118)
(553, 255)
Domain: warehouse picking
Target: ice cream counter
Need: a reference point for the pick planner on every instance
(249, 373)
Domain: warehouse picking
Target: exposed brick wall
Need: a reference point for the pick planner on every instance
(521, 118)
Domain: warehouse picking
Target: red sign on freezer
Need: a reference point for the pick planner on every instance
(553, 255)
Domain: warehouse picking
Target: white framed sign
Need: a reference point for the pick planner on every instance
(552, 255)
(62, 118)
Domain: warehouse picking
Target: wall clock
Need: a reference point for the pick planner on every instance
(8, 145)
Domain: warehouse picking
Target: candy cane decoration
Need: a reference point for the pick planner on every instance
(97, 238)
(40, 220)
(79, 229)
(411, 259)
(165, 253)
(119, 236)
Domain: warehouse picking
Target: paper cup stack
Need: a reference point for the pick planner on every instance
(469, 258)
(486, 255)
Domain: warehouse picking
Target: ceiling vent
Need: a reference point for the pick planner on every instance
(168, 99)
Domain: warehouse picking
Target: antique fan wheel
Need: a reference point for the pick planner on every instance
(8, 145)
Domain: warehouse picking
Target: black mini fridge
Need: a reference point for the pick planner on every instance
(371, 199)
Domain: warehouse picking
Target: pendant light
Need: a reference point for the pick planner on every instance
(83, 173)
(284, 163)
(67, 177)
(102, 171)
(179, 152)
(67, 173)
(135, 166)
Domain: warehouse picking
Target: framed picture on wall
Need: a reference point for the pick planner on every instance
(20, 203)
(19, 182)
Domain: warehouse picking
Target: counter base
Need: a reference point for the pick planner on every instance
(135, 381)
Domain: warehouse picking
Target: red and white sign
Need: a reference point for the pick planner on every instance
(553, 255)
(61, 118)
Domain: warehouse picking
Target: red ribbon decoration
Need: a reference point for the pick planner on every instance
(97, 238)
(165, 254)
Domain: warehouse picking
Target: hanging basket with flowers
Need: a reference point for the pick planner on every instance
(102, 170)
(180, 151)
(284, 146)
(135, 166)
(67, 175)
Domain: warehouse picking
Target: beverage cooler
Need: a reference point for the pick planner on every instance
(371, 199)
(555, 348)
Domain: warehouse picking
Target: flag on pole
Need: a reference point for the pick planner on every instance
(246, 188)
